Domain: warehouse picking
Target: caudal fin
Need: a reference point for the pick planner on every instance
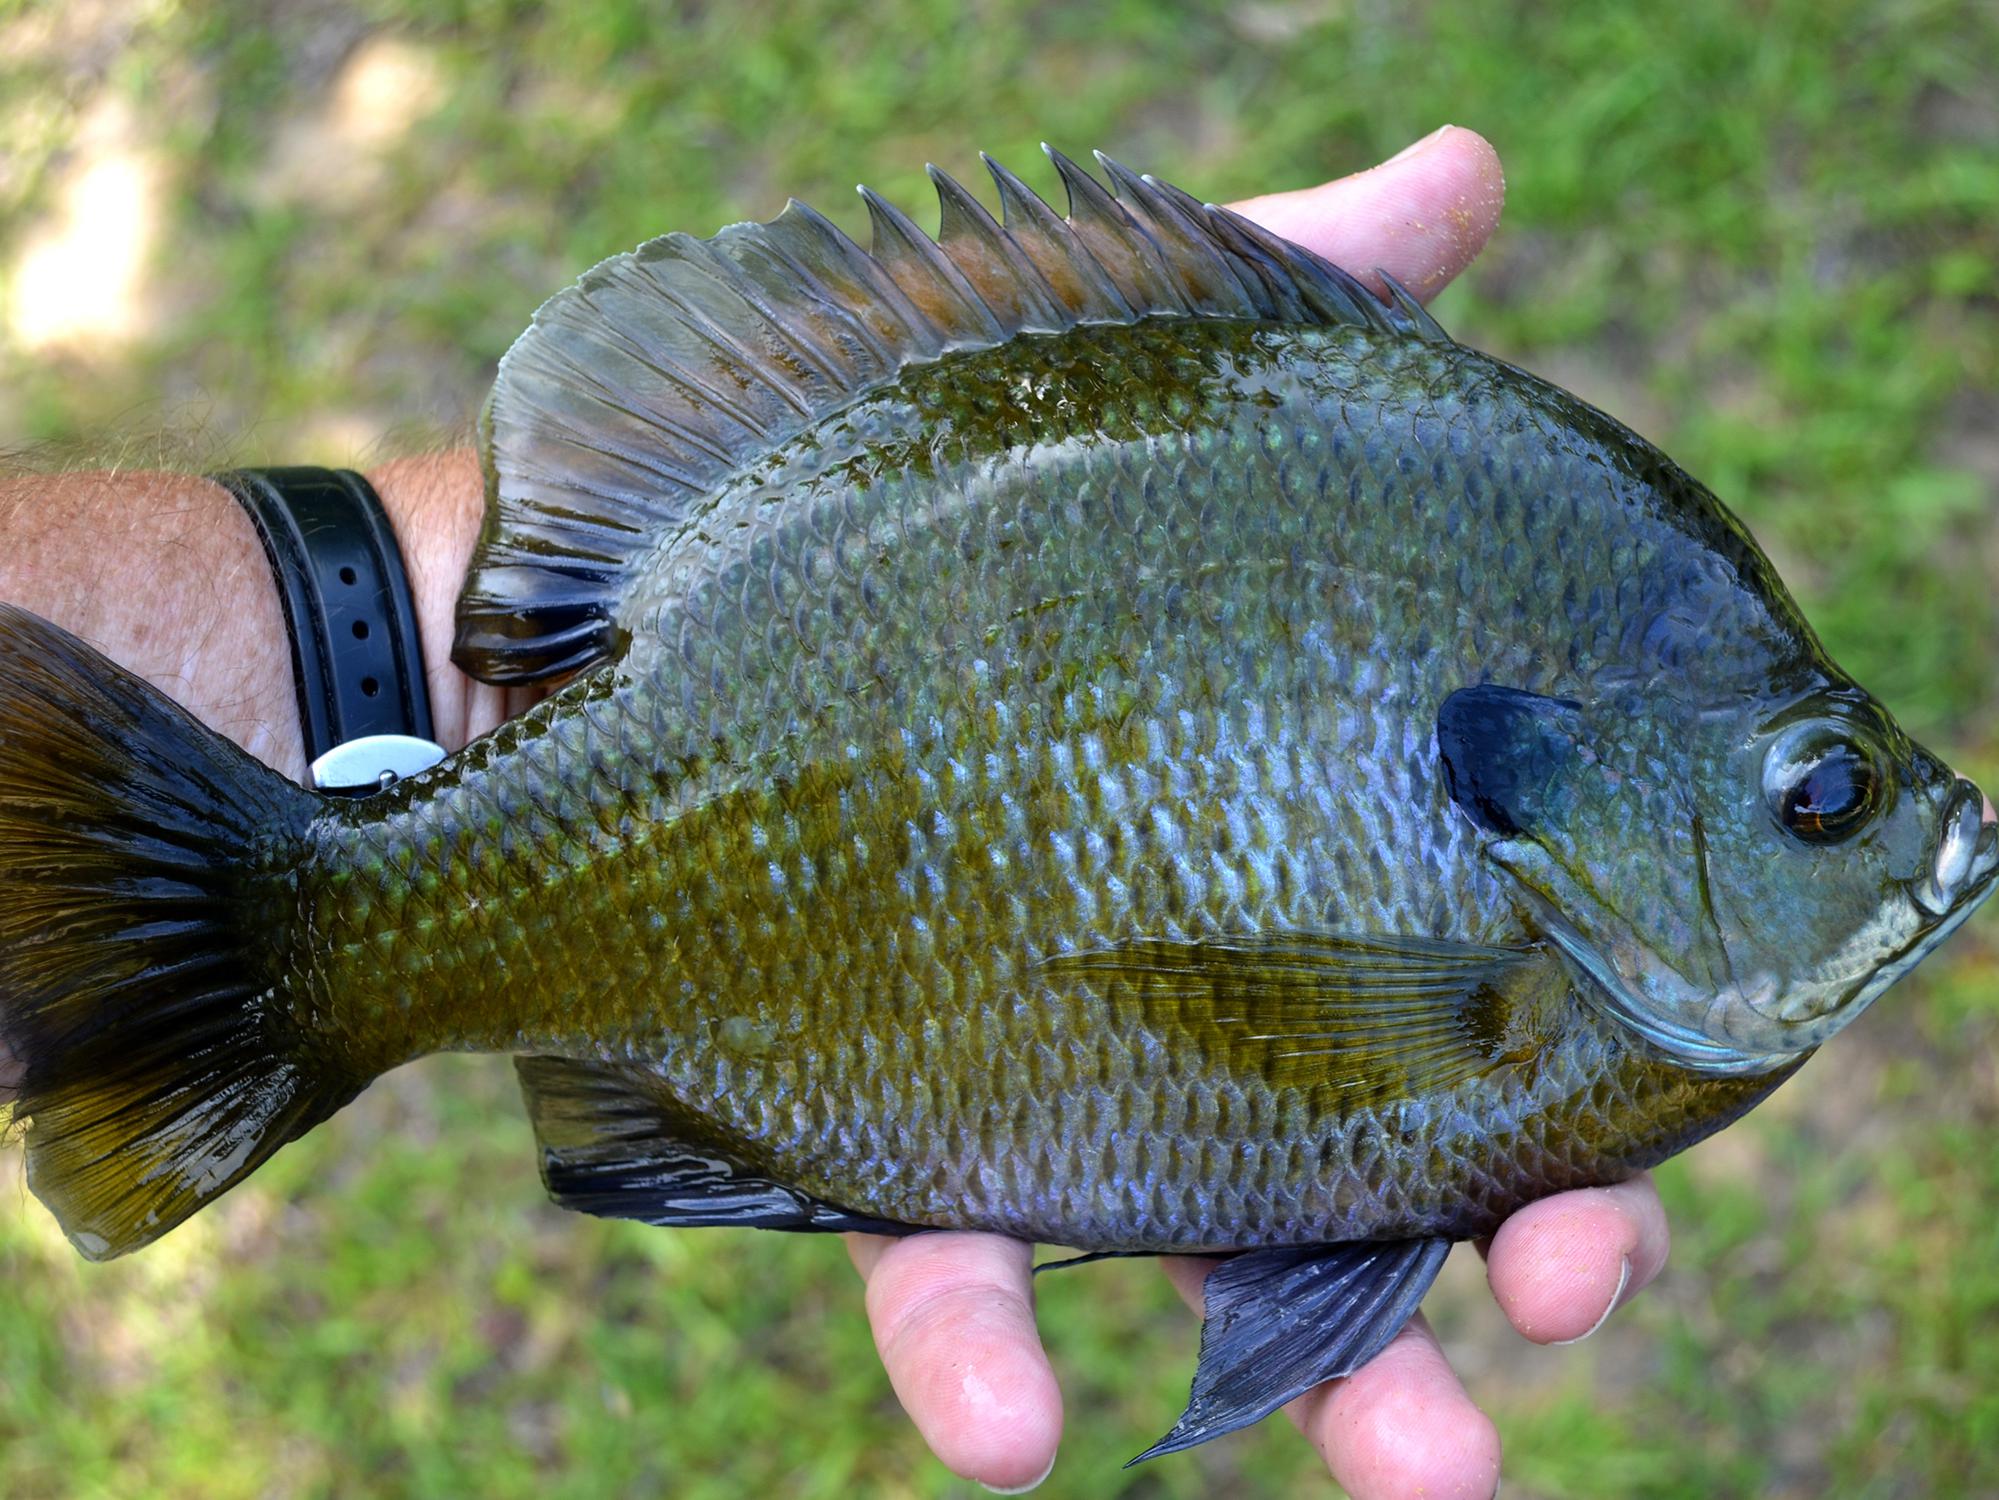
(144, 896)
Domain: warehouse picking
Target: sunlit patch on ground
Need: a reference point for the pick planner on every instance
(346, 439)
(334, 152)
(78, 284)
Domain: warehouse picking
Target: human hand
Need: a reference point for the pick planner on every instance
(952, 1304)
(947, 1304)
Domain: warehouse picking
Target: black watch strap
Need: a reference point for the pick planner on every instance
(356, 655)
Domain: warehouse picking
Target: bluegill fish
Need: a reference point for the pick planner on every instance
(1092, 728)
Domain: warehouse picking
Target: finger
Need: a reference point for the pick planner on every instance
(1561, 1266)
(1421, 216)
(1400, 1425)
(1188, 1273)
(953, 1318)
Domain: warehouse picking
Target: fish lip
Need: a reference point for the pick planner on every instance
(1940, 920)
(1966, 854)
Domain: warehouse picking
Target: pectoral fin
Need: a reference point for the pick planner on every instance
(1281, 1321)
(1373, 1016)
(614, 1144)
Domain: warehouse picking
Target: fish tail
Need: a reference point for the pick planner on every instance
(147, 892)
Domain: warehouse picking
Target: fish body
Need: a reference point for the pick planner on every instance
(1139, 632)
(1096, 729)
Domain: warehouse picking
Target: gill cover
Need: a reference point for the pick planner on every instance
(1608, 854)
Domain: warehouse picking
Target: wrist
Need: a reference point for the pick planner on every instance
(436, 504)
(166, 575)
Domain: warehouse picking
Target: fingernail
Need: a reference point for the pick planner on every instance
(1020, 1489)
(1412, 149)
(1623, 1280)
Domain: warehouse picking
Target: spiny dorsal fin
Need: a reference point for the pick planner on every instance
(993, 262)
(641, 389)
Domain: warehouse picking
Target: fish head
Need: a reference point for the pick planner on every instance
(1735, 879)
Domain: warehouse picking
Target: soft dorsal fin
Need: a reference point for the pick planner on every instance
(641, 389)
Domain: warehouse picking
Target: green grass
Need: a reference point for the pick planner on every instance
(1767, 234)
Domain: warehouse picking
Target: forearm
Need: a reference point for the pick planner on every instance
(164, 573)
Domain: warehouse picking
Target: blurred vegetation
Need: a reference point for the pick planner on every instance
(1765, 233)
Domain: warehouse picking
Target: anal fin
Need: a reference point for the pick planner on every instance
(1282, 1320)
(614, 1144)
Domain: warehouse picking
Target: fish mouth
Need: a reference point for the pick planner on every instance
(1967, 853)
(1957, 884)
(1971, 894)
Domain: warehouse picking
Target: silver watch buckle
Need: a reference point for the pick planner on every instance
(373, 763)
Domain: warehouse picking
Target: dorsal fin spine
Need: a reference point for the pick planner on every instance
(1035, 226)
(955, 310)
(639, 391)
(1106, 229)
(1421, 323)
(1190, 250)
(964, 222)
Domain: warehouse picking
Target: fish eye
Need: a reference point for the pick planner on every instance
(1822, 785)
